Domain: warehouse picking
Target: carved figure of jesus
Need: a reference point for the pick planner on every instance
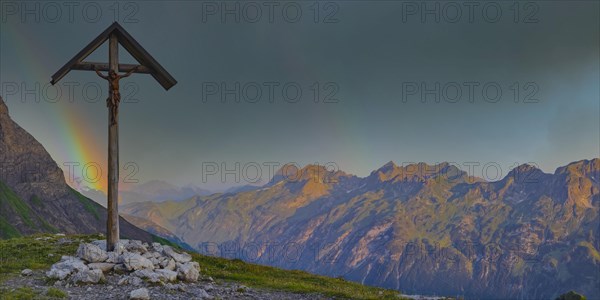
(114, 97)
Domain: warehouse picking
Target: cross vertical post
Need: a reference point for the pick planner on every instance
(116, 35)
(112, 230)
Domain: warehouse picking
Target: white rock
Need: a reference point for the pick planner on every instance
(136, 246)
(178, 257)
(134, 261)
(59, 274)
(120, 268)
(27, 272)
(99, 243)
(157, 247)
(119, 246)
(171, 265)
(163, 261)
(168, 263)
(154, 261)
(88, 276)
(135, 281)
(66, 267)
(147, 274)
(188, 272)
(113, 257)
(131, 280)
(139, 294)
(104, 267)
(166, 275)
(91, 253)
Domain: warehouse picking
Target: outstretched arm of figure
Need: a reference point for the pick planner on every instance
(100, 74)
(130, 72)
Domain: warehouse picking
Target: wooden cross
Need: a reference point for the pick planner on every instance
(116, 35)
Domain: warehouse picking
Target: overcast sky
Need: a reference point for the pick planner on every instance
(363, 69)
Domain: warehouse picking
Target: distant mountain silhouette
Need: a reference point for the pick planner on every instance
(155, 191)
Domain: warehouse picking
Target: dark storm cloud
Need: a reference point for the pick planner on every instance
(364, 57)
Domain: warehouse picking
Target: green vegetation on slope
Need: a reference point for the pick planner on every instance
(7, 231)
(11, 202)
(571, 296)
(89, 205)
(35, 200)
(32, 252)
(163, 241)
(293, 281)
(14, 202)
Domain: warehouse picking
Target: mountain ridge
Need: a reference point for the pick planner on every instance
(439, 232)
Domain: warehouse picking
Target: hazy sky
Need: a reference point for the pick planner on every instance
(370, 60)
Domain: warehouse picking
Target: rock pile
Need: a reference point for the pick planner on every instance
(155, 263)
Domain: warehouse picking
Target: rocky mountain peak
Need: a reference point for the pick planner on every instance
(25, 160)
(582, 182)
(582, 167)
(389, 166)
(525, 172)
(416, 171)
(311, 172)
(3, 107)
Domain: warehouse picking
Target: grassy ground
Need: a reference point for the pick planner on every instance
(27, 293)
(293, 281)
(42, 250)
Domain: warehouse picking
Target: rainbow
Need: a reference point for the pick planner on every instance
(78, 144)
(82, 147)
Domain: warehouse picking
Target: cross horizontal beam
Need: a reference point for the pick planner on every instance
(144, 58)
(85, 52)
(90, 66)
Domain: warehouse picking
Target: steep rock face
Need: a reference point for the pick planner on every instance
(34, 196)
(3, 108)
(418, 228)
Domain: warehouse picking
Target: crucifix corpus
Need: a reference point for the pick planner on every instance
(115, 34)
